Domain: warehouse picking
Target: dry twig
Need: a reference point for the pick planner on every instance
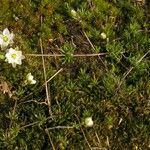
(60, 127)
(54, 75)
(50, 139)
(48, 100)
(62, 55)
(94, 48)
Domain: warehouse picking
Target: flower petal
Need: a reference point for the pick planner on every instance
(33, 81)
(6, 31)
(29, 77)
(14, 57)
(11, 36)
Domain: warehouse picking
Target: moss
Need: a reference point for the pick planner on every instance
(113, 89)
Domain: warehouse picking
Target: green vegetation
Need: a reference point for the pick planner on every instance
(113, 89)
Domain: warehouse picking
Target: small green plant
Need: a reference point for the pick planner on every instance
(74, 74)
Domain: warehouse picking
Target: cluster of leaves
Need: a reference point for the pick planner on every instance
(113, 89)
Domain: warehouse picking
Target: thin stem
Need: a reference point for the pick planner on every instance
(62, 55)
(45, 77)
(54, 75)
(50, 139)
(94, 48)
(28, 125)
(60, 127)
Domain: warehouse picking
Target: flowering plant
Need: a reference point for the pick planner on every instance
(6, 38)
(29, 79)
(88, 122)
(14, 56)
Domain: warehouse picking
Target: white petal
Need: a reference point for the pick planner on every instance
(7, 54)
(33, 81)
(103, 36)
(1, 41)
(89, 122)
(28, 74)
(11, 36)
(29, 77)
(19, 53)
(11, 50)
(6, 31)
(4, 44)
(74, 13)
(18, 61)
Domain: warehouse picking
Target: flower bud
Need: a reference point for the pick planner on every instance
(103, 36)
(88, 122)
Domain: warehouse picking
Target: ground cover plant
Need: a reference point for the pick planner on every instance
(74, 74)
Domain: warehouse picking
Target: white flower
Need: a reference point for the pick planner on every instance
(103, 36)
(13, 56)
(30, 79)
(89, 122)
(6, 38)
(73, 13)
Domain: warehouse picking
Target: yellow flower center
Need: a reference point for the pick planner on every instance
(5, 38)
(14, 56)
